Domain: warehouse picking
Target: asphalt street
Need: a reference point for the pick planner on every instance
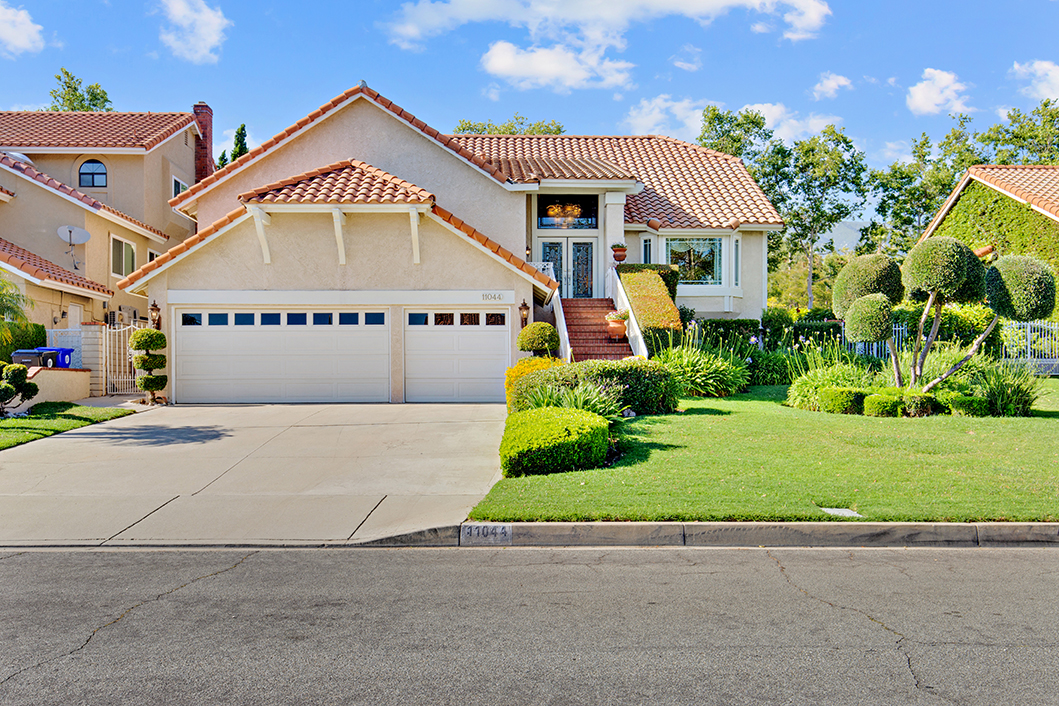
(530, 626)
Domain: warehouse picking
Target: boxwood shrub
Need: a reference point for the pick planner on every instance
(22, 336)
(552, 440)
(883, 406)
(967, 406)
(646, 386)
(919, 404)
(670, 274)
(725, 328)
(657, 315)
(525, 366)
(842, 400)
(538, 337)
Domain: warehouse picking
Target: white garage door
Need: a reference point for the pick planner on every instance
(277, 355)
(456, 355)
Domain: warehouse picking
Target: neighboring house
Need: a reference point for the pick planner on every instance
(110, 174)
(361, 255)
(1014, 209)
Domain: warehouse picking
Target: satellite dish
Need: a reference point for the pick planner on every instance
(72, 235)
(19, 157)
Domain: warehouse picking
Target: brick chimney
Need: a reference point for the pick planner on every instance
(204, 163)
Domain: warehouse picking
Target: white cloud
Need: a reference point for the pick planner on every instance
(557, 66)
(892, 81)
(899, 151)
(662, 115)
(788, 125)
(28, 106)
(1002, 111)
(492, 92)
(197, 30)
(761, 28)
(18, 33)
(1043, 77)
(938, 91)
(581, 31)
(689, 59)
(829, 85)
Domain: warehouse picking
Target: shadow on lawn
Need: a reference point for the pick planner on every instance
(709, 411)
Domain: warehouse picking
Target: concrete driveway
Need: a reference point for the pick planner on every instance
(252, 474)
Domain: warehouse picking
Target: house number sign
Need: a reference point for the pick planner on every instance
(475, 534)
(492, 296)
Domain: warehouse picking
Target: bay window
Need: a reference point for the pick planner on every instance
(699, 259)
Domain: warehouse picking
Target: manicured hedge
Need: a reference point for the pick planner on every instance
(552, 440)
(919, 404)
(819, 331)
(646, 386)
(22, 336)
(968, 406)
(883, 406)
(776, 322)
(538, 336)
(670, 274)
(842, 400)
(724, 328)
(962, 323)
(525, 366)
(655, 312)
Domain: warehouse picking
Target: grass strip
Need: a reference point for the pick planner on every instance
(47, 418)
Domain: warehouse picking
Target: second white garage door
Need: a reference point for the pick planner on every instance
(456, 355)
(276, 355)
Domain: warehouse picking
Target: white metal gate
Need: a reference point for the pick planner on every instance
(117, 359)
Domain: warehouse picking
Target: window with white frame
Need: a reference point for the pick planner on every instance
(179, 187)
(647, 251)
(735, 262)
(699, 259)
(122, 257)
(153, 255)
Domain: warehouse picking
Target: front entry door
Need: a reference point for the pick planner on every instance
(575, 265)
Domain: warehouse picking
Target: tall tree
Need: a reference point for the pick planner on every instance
(239, 147)
(517, 125)
(820, 183)
(13, 305)
(1026, 139)
(70, 96)
(222, 161)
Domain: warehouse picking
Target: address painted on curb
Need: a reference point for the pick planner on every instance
(485, 534)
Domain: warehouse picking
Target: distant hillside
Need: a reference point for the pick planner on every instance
(846, 235)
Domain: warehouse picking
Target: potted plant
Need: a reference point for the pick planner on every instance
(619, 251)
(616, 324)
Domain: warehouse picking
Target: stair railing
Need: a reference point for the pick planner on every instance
(560, 325)
(632, 327)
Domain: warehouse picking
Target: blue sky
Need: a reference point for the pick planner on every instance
(885, 71)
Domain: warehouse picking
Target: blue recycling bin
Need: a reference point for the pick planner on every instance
(63, 356)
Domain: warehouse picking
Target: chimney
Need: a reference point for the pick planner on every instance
(204, 144)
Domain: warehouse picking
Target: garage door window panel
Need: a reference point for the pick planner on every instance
(470, 319)
(244, 319)
(418, 319)
(217, 319)
(270, 319)
(349, 318)
(191, 319)
(447, 319)
(323, 318)
(375, 318)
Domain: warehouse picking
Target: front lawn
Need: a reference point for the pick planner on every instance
(748, 457)
(49, 418)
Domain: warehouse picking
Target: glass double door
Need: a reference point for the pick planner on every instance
(574, 262)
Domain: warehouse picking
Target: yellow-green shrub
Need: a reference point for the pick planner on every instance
(523, 367)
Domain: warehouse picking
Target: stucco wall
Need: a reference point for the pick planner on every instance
(57, 385)
(368, 133)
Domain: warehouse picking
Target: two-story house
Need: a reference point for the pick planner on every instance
(84, 202)
(361, 255)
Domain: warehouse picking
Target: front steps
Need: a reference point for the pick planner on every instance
(587, 327)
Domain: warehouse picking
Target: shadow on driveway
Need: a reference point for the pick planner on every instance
(156, 436)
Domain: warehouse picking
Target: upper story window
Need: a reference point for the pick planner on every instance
(179, 187)
(92, 175)
(699, 259)
(122, 257)
(568, 212)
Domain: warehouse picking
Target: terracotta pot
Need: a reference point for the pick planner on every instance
(619, 254)
(616, 329)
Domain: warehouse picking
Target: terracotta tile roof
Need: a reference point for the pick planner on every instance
(178, 250)
(349, 181)
(685, 186)
(316, 115)
(56, 185)
(45, 128)
(533, 169)
(1037, 185)
(6, 191)
(38, 268)
(495, 247)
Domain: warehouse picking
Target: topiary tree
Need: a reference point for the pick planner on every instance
(871, 318)
(875, 275)
(14, 382)
(147, 340)
(539, 338)
(1017, 287)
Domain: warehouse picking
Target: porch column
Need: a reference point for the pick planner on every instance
(613, 232)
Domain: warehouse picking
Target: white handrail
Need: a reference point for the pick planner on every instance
(560, 325)
(632, 327)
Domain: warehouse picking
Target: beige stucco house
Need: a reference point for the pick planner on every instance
(361, 255)
(109, 175)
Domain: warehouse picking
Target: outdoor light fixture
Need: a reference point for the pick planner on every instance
(156, 315)
(523, 311)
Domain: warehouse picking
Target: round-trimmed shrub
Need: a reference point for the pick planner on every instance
(552, 440)
(525, 366)
(883, 406)
(152, 383)
(864, 275)
(919, 404)
(967, 406)
(842, 400)
(870, 318)
(150, 361)
(1021, 288)
(936, 264)
(973, 289)
(804, 393)
(147, 339)
(538, 336)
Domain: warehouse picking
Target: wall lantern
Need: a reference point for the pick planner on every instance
(523, 311)
(156, 315)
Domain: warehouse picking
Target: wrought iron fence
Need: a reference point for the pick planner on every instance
(117, 359)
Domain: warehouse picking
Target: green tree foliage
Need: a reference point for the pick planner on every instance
(70, 96)
(222, 161)
(13, 305)
(15, 387)
(517, 125)
(147, 340)
(1021, 288)
(870, 318)
(1026, 139)
(239, 147)
(865, 275)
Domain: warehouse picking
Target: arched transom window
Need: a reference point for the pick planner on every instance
(92, 175)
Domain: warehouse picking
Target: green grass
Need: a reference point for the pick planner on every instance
(49, 418)
(748, 457)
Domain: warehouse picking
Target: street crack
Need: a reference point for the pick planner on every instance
(121, 616)
(900, 644)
